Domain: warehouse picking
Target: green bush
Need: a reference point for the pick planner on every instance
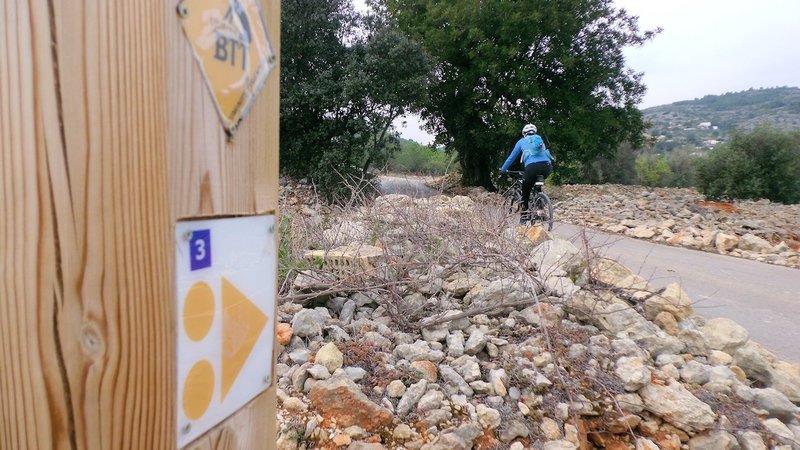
(762, 164)
(653, 170)
(420, 159)
(619, 168)
(683, 164)
(677, 168)
(338, 177)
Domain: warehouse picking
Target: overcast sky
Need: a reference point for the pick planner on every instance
(715, 46)
(707, 47)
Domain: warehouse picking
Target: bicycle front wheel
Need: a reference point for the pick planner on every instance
(512, 201)
(542, 211)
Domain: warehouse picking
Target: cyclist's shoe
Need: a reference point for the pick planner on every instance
(523, 221)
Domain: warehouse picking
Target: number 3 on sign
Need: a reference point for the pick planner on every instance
(200, 249)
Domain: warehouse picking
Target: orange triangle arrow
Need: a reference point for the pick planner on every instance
(242, 324)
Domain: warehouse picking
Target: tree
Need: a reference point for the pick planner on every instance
(762, 164)
(344, 79)
(501, 64)
(619, 168)
(419, 159)
(388, 76)
(683, 164)
(652, 170)
(315, 116)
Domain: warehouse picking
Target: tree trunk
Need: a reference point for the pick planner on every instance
(476, 166)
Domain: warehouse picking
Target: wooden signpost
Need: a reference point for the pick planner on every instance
(138, 196)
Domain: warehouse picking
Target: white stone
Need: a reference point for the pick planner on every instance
(753, 243)
(559, 445)
(319, 372)
(557, 254)
(294, 404)
(498, 379)
(750, 440)
(476, 342)
(396, 389)
(330, 357)
(633, 373)
(488, 417)
(411, 397)
(779, 428)
(403, 432)
(550, 429)
(719, 358)
(725, 334)
(455, 344)
(676, 405)
(646, 444)
(695, 373)
(307, 323)
(713, 440)
(673, 300)
(724, 243)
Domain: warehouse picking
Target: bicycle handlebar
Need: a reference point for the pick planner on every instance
(516, 174)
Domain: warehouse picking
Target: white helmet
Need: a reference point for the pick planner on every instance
(529, 129)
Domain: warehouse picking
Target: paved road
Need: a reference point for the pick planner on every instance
(763, 298)
(411, 186)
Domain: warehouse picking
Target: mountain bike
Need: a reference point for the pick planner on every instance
(540, 209)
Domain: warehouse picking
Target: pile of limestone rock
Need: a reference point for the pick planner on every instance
(436, 324)
(760, 230)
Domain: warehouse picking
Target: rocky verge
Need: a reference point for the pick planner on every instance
(759, 230)
(437, 324)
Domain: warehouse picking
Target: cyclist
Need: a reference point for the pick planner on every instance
(537, 160)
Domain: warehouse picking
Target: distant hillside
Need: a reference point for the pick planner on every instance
(706, 121)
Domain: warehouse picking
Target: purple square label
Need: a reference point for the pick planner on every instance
(200, 249)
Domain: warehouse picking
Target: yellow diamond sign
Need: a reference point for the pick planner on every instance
(230, 43)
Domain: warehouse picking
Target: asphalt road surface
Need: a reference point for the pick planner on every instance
(406, 185)
(763, 298)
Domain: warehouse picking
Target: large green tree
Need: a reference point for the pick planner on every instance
(344, 79)
(500, 64)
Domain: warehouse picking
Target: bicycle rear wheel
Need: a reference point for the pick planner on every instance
(542, 211)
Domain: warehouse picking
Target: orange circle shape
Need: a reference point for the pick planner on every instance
(198, 311)
(198, 389)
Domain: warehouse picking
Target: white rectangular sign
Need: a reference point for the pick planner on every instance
(225, 279)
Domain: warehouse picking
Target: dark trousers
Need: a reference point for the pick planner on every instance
(532, 171)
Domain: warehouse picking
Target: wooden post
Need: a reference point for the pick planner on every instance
(108, 137)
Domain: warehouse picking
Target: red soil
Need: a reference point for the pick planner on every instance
(727, 207)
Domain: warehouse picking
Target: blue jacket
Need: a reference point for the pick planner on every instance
(532, 150)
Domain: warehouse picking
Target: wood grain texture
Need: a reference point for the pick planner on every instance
(26, 248)
(86, 239)
(107, 136)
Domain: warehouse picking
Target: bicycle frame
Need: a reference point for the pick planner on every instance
(540, 208)
(513, 195)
